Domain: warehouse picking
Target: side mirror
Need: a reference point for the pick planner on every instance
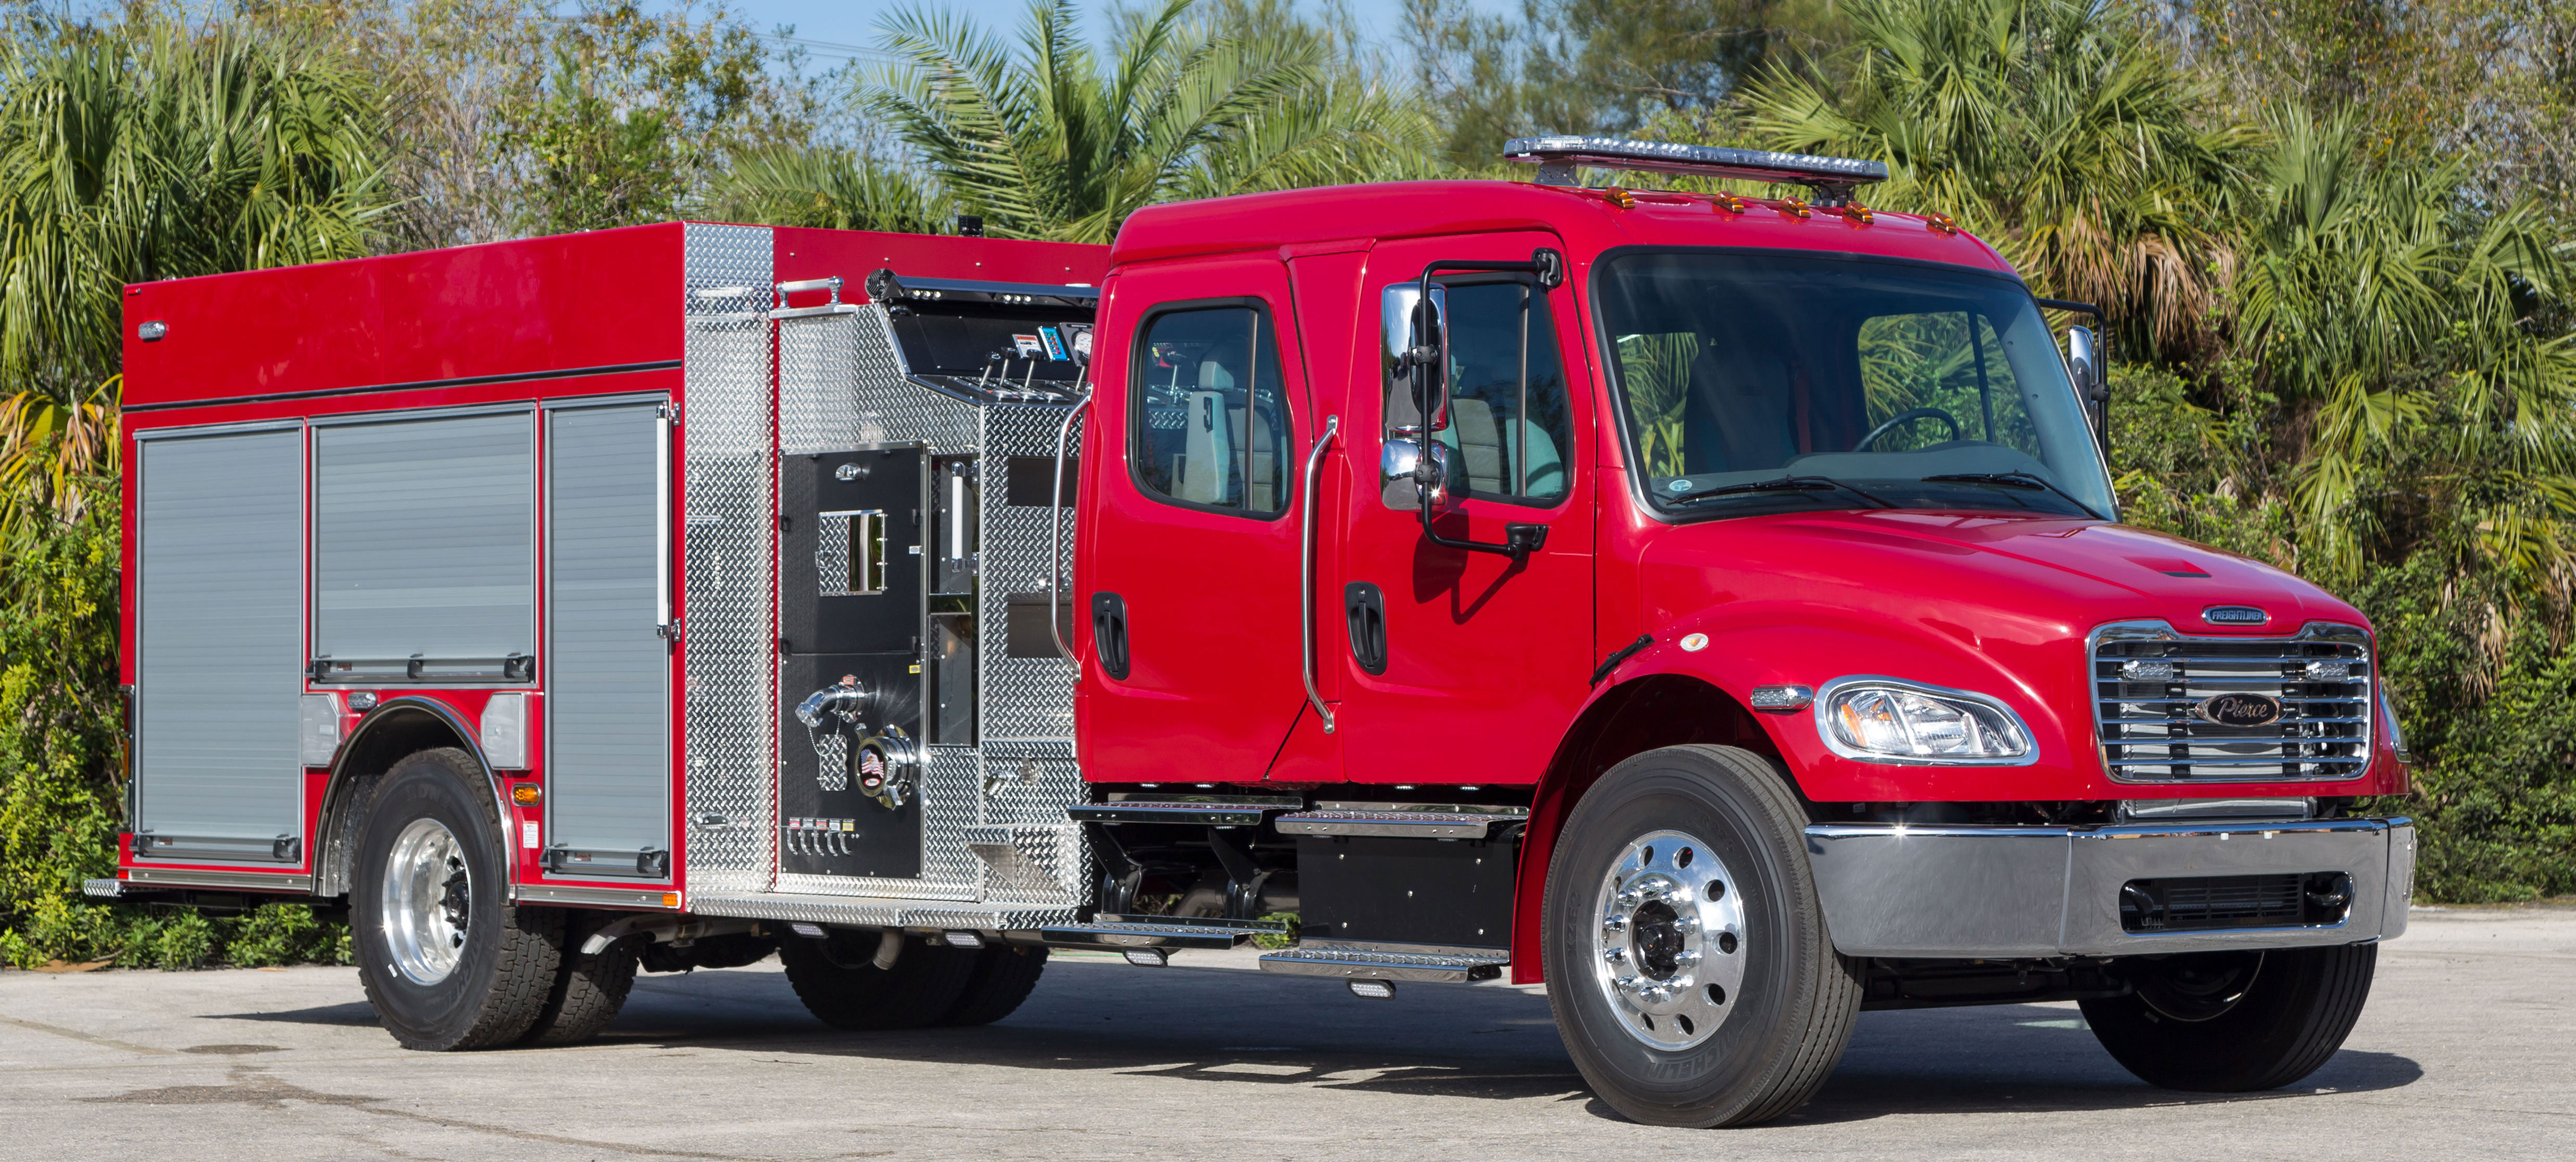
(2084, 360)
(2092, 381)
(1417, 343)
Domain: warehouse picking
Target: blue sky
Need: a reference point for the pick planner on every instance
(854, 22)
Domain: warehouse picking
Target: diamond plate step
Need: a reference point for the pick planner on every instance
(1452, 966)
(1210, 810)
(1160, 932)
(1410, 820)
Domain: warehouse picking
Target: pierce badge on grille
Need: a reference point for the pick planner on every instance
(2238, 710)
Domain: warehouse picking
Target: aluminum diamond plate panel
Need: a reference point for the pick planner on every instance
(993, 822)
(725, 438)
(1023, 698)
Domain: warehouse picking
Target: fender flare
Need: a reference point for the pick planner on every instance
(406, 724)
(1656, 677)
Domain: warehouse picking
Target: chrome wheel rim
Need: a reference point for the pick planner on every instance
(428, 900)
(1668, 940)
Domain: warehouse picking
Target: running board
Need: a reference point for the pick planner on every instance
(1206, 810)
(1159, 932)
(1388, 962)
(876, 912)
(1407, 820)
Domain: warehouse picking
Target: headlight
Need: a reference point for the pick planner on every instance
(1886, 720)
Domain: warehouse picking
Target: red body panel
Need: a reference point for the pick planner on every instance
(1211, 597)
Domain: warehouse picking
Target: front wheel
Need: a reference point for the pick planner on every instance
(2234, 1022)
(1687, 958)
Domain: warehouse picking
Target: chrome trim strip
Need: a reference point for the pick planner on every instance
(1824, 701)
(593, 897)
(416, 385)
(192, 878)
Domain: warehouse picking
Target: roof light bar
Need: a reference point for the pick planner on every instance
(1558, 158)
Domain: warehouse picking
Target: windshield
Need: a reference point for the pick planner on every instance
(1762, 383)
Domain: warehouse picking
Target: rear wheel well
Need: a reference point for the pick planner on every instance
(388, 734)
(1649, 713)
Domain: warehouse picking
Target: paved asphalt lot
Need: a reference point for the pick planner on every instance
(2468, 1051)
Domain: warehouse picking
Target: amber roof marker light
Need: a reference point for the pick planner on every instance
(1560, 161)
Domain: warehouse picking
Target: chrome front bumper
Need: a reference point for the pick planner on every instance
(1995, 892)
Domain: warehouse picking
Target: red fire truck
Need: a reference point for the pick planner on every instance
(1711, 606)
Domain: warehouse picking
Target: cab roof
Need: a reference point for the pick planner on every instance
(1591, 220)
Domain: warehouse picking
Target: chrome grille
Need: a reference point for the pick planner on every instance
(2152, 687)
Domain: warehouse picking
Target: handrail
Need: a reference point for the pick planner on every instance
(1306, 570)
(1055, 535)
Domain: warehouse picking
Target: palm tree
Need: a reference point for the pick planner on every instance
(2398, 322)
(2057, 129)
(136, 153)
(1045, 142)
(828, 188)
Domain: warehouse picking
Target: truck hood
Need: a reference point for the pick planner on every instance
(1981, 572)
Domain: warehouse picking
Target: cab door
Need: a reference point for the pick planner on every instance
(1458, 665)
(1188, 578)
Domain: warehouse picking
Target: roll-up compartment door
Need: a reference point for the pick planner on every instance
(607, 658)
(219, 637)
(607, 665)
(424, 550)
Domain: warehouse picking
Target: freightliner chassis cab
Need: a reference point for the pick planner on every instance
(1711, 606)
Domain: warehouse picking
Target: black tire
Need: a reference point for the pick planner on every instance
(841, 985)
(505, 956)
(589, 990)
(1793, 1009)
(1004, 975)
(2289, 1020)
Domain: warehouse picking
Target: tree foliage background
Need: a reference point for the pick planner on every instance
(2334, 236)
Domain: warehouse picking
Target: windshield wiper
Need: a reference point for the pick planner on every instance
(2017, 478)
(1783, 484)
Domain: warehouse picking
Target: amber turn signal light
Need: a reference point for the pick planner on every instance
(527, 794)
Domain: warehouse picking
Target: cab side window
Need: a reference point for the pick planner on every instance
(1208, 420)
(1509, 430)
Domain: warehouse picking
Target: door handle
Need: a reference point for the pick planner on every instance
(1306, 571)
(1109, 633)
(1364, 608)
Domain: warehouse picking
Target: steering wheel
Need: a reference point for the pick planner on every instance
(1902, 417)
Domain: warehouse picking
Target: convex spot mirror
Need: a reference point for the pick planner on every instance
(1401, 461)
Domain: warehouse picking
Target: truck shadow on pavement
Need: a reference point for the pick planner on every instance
(1438, 1041)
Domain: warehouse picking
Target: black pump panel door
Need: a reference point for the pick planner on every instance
(852, 578)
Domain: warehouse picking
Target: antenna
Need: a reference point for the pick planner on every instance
(1558, 159)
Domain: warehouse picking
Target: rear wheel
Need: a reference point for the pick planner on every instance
(1687, 958)
(1004, 975)
(2232, 1022)
(589, 988)
(446, 959)
(841, 985)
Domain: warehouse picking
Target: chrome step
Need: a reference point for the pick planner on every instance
(1210, 810)
(1160, 932)
(1413, 820)
(1424, 962)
